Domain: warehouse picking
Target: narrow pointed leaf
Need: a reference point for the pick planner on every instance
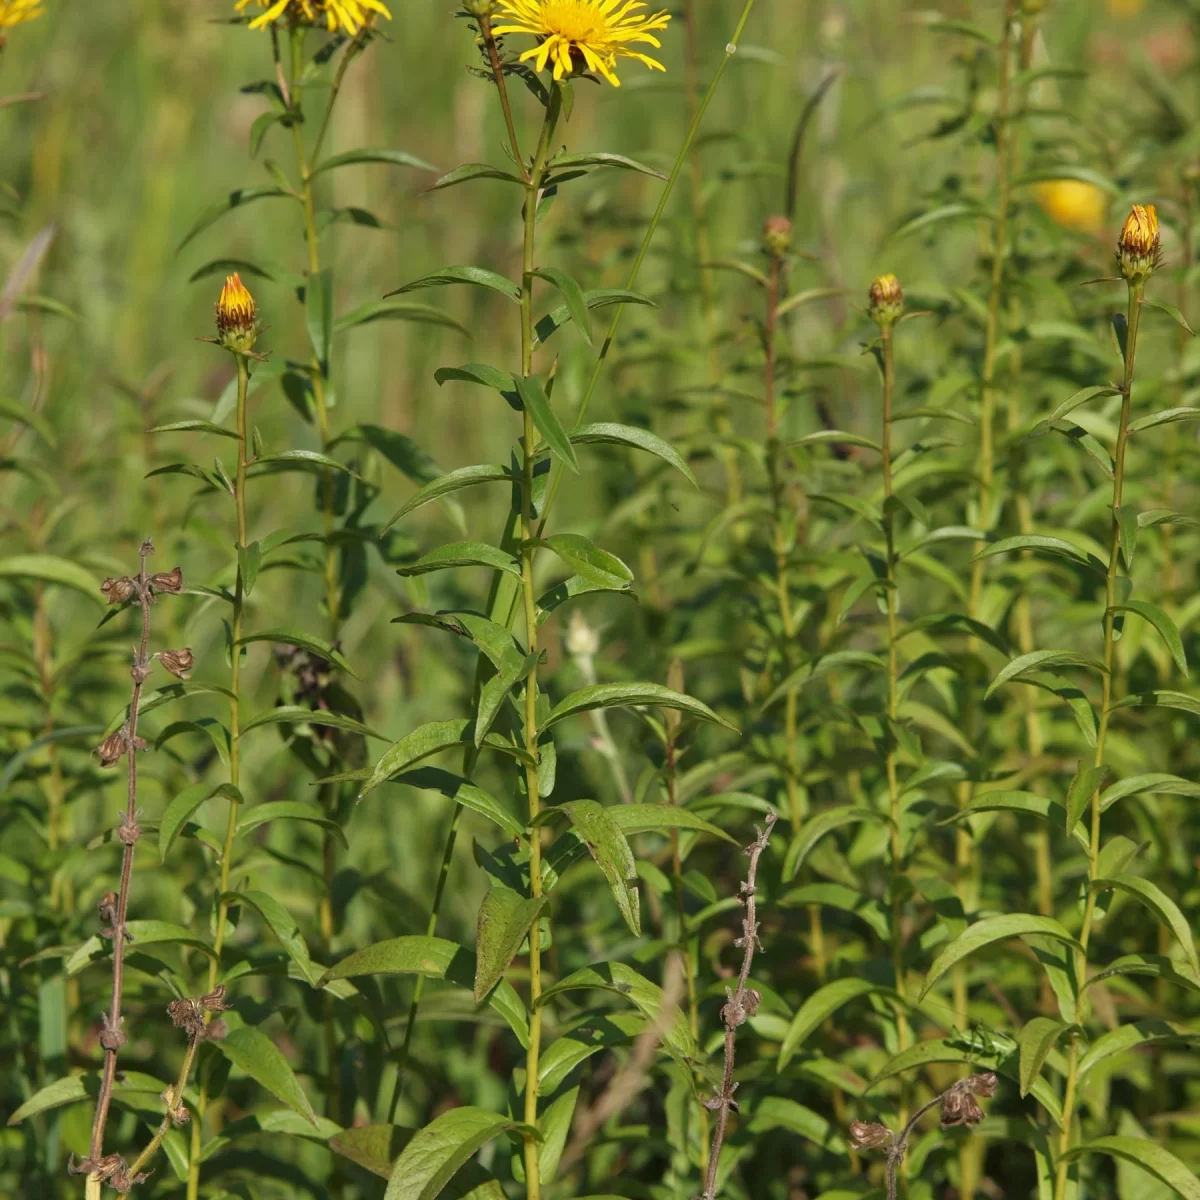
(630, 695)
(477, 276)
(504, 920)
(253, 1052)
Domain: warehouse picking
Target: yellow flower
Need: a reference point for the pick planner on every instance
(598, 32)
(1139, 248)
(885, 303)
(1073, 204)
(347, 15)
(13, 12)
(237, 322)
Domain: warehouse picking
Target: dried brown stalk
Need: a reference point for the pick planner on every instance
(740, 1005)
(114, 907)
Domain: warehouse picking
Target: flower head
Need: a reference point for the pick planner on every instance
(1139, 248)
(777, 236)
(870, 1135)
(1073, 204)
(350, 16)
(591, 34)
(885, 301)
(237, 323)
(13, 12)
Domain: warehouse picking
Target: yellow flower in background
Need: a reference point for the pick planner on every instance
(592, 32)
(13, 12)
(1125, 8)
(347, 15)
(1074, 204)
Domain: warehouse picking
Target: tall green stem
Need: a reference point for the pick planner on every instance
(1133, 317)
(235, 743)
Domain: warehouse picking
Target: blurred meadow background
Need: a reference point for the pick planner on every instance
(872, 125)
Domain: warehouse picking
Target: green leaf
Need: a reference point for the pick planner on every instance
(816, 667)
(1035, 1043)
(195, 427)
(435, 1153)
(50, 569)
(811, 294)
(73, 1088)
(1127, 527)
(1150, 1156)
(318, 315)
(476, 276)
(297, 714)
(305, 641)
(463, 554)
(423, 741)
(985, 933)
(1040, 660)
(946, 212)
(556, 318)
(555, 1125)
(25, 416)
(607, 845)
(144, 933)
(375, 1148)
(254, 1053)
(288, 810)
(585, 558)
(639, 439)
(249, 559)
(1171, 312)
(1042, 544)
(235, 199)
(778, 1112)
(571, 162)
(1130, 1037)
(470, 171)
(1161, 699)
(1165, 416)
(839, 436)
(453, 481)
(818, 1008)
(814, 829)
(1162, 623)
(630, 695)
(647, 818)
(397, 158)
(1087, 781)
(537, 404)
(572, 293)
(469, 795)
(504, 920)
(1134, 785)
(303, 459)
(847, 899)
(1160, 904)
(480, 373)
(398, 310)
(283, 925)
(180, 809)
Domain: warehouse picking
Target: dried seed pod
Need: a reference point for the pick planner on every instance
(188, 1015)
(113, 747)
(214, 1000)
(983, 1084)
(170, 582)
(178, 662)
(870, 1135)
(959, 1107)
(117, 591)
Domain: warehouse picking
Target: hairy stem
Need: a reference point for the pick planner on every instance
(1133, 316)
(489, 42)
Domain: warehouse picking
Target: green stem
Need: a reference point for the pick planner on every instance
(173, 1098)
(1133, 317)
(644, 248)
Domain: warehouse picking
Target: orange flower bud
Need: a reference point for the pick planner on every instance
(237, 320)
(1139, 248)
(886, 301)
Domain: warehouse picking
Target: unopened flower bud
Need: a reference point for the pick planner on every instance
(237, 321)
(777, 236)
(886, 301)
(117, 591)
(170, 582)
(1139, 248)
(178, 662)
(869, 1135)
(112, 748)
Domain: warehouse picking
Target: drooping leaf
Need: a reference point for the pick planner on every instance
(383, 154)
(572, 294)
(1163, 624)
(813, 830)
(585, 558)
(398, 310)
(476, 276)
(629, 695)
(1035, 1043)
(50, 569)
(182, 806)
(463, 554)
(251, 1051)
(288, 810)
(645, 818)
(607, 845)
(821, 1005)
(503, 923)
(629, 435)
(537, 404)
(423, 741)
(238, 198)
(305, 641)
(1148, 1155)
(1161, 905)
(1041, 660)
(453, 481)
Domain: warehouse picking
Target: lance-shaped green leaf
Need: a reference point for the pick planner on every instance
(1162, 623)
(453, 481)
(49, 569)
(1042, 544)
(988, 931)
(812, 831)
(423, 741)
(555, 1125)
(288, 810)
(537, 404)
(195, 427)
(470, 171)
(1041, 660)
(1148, 1155)
(1132, 1036)
(647, 997)
(300, 460)
(572, 162)
(646, 818)
(144, 933)
(556, 318)
(481, 373)
(778, 1112)
(630, 695)
(607, 845)
(295, 714)
(815, 668)
(73, 1088)
(1035, 1043)
(1136, 785)
(305, 641)
(381, 154)
(398, 310)
(607, 432)
(503, 923)
(253, 1052)
(283, 925)
(167, 695)
(1160, 904)
(238, 198)
(476, 276)
(821, 1005)
(585, 558)
(463, 554)
(179, 811)
(1166, 416)
(511, 670)
(824, 437)
(463, 792)
(318, 315)
(846, 899)
(1161, 699)
(572, 294)
(434, 1155)
(1087, 781)
(12, 411)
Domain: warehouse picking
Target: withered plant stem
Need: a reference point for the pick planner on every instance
(129, 836)
(739, 1007)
